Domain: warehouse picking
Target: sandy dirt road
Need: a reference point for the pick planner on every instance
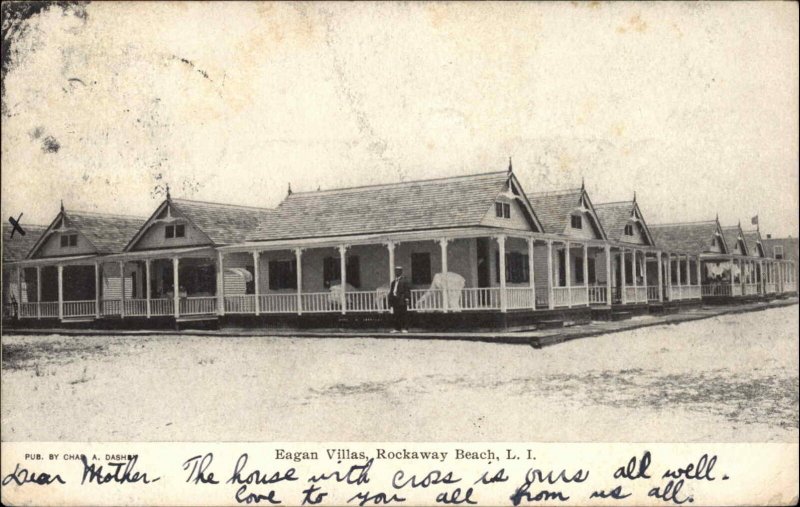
(729, 378)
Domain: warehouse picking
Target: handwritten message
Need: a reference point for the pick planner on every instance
(399, 475)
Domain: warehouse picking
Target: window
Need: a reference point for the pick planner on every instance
(777, 250)
(576, 221)
(517, 268)
(331, 272)
(175, 231)
(592, 270)
(421, 268)
(578, 270)
(282, 275)
(502, 210)
(629, 230)
(68, 240)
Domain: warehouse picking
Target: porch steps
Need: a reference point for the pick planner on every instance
(620, 315)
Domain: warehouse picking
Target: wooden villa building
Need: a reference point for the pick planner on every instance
(478, 251)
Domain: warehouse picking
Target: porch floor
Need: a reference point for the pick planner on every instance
(537, 338)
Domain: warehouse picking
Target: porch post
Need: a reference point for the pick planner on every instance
(256, 276)
(550, 302)
(688, 272)
(660, 278)
(445, 294)
(531, 273)
(122, 286)
(60, 292)
(343, 276)
(39, 291)
(147, 287)
(730, 264)
(568, 273)
(501, 244)
(96, 290)
(634, 266)
(644, 276)
(609, 277)
(586, 270)
(298, 256)
(19, 292)
(176, 299)
(220, 283)
(390, 247)
(699, 273)
(623, 277)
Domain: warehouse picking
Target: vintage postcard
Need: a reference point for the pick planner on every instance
(399, 253)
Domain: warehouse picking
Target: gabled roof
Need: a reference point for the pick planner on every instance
(454, 202)
(732, 234)
(223, 224)
(17, 248)
(107, 233)
(615, 216)
(554, 209)
(790, 247)
(753, 240)
(687, 237)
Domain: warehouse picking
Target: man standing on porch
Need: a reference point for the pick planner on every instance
(399, 297)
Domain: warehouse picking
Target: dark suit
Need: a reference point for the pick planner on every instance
(399, 297)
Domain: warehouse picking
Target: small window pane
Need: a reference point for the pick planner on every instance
(169, 231)
(64, 241)
(180, 231)
(498, 209)
(73, 240)
(577, 222)
(506, 210)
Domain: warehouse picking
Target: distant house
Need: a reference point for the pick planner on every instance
(15, 249)
(783, 249)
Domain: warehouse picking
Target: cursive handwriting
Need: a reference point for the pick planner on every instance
(379, 498)
(535, 475)
(255, 497)
(22, 476)
(356, 474)
(432, 478)
(122, 473)
(199, 465)
(257, 476)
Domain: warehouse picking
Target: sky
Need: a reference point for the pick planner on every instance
(692, 106)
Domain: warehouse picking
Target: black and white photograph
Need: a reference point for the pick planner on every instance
(438, 222)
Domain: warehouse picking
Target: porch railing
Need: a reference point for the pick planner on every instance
(111, 307)
(279, 303)
(245, 303)
(542, 298)
(79, 308)
(630, 295)
(750, 289)
(560, 296)
(518, 298)
(162, 306)
(366, 301)
(480, 298)
(49, 309)
(652, 293)
(737, 290)
(320, 302)
(597, 295)
(426, 299)
(198, 305)
(27, 310)
(691, 292)
(578, 296)
(789, 287)
(135, 307)
(770, 287)
(716, 290)
(641, 294)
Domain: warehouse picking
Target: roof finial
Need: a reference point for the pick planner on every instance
(62, 205)
(289, 190)
(510, 168)
(634, 196)
(166, 189)
(583, 184)
(717, 216)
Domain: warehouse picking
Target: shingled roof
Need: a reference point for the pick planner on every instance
(731, 233)
(689, 237)
(555, 208)
(461, 201)
(615, 216)
(225, 224)
(17, 248)
(752, 239)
